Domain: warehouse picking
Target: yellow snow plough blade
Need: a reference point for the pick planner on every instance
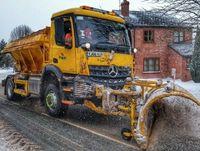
(138, 105)
(142, 130)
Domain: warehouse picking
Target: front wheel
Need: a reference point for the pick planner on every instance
(53, 101)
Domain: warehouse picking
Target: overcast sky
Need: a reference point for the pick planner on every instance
(37, 13)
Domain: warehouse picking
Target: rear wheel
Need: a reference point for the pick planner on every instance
(10, 90)
(52, 101)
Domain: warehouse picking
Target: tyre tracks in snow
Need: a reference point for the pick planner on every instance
(57, 134)
(12, 140)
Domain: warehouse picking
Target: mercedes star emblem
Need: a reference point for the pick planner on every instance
(113, 71)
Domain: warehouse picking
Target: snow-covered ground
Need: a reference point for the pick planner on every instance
(192, 87)
(5, 72)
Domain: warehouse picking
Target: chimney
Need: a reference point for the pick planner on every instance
(125, 8)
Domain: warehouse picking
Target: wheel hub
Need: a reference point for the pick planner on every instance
(51, 100)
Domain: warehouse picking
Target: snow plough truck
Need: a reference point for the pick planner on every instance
(86, 57)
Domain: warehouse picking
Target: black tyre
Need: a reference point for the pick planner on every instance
(10, 90)
(52, 100)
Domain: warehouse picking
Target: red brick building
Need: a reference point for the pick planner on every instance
(162, 42)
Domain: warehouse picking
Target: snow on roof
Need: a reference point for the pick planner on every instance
(150, 18)
(134, 17)
(183, 49)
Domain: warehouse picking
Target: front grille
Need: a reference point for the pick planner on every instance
(100, 75)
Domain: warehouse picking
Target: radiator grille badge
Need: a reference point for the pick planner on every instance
(113, 71)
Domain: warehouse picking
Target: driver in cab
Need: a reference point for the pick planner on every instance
(68, 35)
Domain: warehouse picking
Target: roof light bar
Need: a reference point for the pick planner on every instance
(98, 10)
(86, 7)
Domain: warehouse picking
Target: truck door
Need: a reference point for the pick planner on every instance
(63, 51)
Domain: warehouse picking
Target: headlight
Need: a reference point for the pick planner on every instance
(87, 45)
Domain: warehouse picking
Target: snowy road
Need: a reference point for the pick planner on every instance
(12, 140)
(81, 129)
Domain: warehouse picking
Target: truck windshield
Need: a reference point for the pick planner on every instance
(102, 34)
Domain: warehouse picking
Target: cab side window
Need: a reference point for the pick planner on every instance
(62, 31)
(59, 31)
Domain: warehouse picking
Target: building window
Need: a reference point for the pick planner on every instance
(151, 64)
(178, 37)
(148, 36)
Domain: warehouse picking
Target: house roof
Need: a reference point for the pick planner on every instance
(185, 50)
(150, 18)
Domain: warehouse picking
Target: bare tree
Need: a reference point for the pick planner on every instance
(19, 32)
(5, 59)
(186, 10)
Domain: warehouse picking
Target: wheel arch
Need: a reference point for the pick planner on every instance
(50, 72)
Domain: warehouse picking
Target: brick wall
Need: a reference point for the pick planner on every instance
(185, 71)
(180, 64)
(175, 61)
(159, 49)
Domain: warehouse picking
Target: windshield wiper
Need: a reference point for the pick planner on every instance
(120, 45)
(107, 46)
(104, 42)
(109, 43)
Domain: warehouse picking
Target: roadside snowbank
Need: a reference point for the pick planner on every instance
(5, 72)
(190, 86)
